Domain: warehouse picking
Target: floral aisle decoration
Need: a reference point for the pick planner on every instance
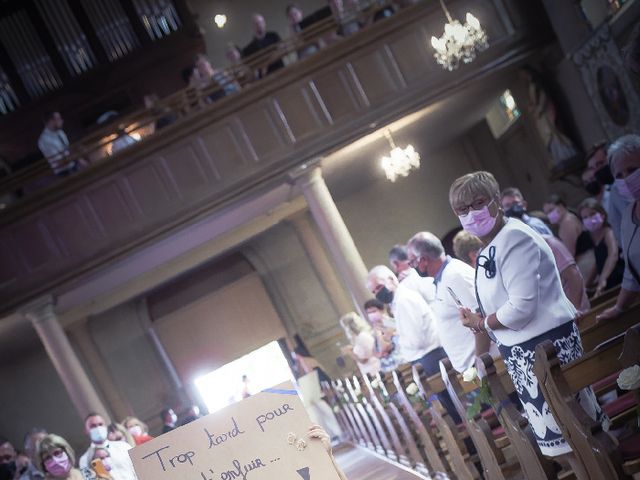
(376, 384)
(484, 393)
(629, 379)
(413, 392)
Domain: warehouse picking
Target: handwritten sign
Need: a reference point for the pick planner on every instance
(256, 439)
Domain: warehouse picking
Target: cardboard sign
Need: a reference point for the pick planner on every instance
(249, 440)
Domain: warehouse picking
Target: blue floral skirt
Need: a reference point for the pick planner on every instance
(519, 360)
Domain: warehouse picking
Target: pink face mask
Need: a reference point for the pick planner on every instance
(58, 466)
(623, 189)
(594, 222)
(554, 215)
(375, 317)
(633, 185)
(478, 222)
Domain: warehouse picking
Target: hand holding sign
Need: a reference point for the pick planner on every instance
(247, 441)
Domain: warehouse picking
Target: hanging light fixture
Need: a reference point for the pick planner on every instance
(459, 42)
(400, 161)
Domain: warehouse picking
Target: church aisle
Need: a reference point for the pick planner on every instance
(360, 464)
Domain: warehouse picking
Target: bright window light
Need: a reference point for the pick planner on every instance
(263, 368)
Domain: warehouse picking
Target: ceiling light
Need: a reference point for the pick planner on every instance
(459, 42)
(220, 20)
(400, 161)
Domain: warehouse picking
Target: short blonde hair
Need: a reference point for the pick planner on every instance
(50, 443)
(464, 243)
(468, 187)
(131, 421)
(353, 324)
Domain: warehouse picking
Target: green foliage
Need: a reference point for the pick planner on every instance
(483, 398)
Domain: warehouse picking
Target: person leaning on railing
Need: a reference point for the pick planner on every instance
(54, 145)
(624, 159)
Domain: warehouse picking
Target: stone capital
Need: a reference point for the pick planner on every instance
(40, 309)
(305, 174)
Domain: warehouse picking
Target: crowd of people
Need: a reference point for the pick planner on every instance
(218, 83)
(516, 282)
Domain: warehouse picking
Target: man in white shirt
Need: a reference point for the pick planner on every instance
(121, 466)
(426, 254)
(408, 276)
(415, 325)
(54, 145)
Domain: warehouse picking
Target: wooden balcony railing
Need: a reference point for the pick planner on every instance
(218, 155)
(98, 146)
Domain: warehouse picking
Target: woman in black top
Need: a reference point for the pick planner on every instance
(599, 236)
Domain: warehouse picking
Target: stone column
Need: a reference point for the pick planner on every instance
(170, 369)
(321, 263)
(81, 335)
(334, 231)
(42, 315)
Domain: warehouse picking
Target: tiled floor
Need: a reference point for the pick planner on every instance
(360, 464)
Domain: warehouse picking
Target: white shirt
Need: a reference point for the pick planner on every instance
(54, 145)
(526, 292)
(422, 285)
(630, 236)
(457, 340)
(363, 347)
(415, 324)
(121, 466)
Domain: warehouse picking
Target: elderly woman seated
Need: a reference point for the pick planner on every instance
(624, 158)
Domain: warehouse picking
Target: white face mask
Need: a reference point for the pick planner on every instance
(98, 434)
(136, 430)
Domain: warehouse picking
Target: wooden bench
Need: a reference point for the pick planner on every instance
(533, 463)
(597, 454)
(461, 461)
(494, 463)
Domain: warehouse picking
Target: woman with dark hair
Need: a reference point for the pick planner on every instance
(568, 224)
(609, 267)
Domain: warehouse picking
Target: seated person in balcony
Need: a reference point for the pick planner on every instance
(54, 145)
(210, 76)
(241, 72)
(123, 139)
(346, 14)
(262, 39)
(297, 25)
(163, 114)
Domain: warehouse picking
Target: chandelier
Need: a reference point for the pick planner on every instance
(400, 161)
(459, 42)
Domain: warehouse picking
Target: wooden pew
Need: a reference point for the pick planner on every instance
(388, 437)
(379, 403)
(408, 440)
(459, 458)
(427, 438)
(360, 401)
(378, 423)
(597, 333)
(356, 423)
(533, 463)
(495, 465)
(596, 452)
(333, 400)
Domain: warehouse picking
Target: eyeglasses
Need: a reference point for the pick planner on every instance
(477, 204)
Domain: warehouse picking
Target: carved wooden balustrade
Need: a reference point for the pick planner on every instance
(246, 143)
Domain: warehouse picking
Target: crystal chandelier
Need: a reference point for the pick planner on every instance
(400, 161)
(459, 42)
